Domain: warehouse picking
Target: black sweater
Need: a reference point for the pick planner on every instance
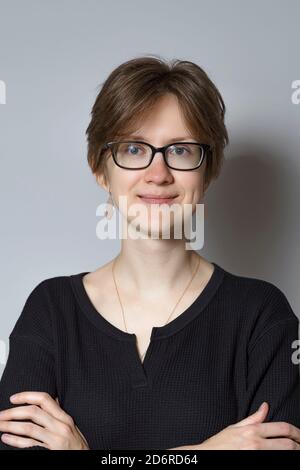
(211, 366)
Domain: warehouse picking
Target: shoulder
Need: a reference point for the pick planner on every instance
(47, 291)
(260, 303)
(255, 291)
(42, 304)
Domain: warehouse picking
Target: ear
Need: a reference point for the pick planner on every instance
(102, 180)
(206, 183)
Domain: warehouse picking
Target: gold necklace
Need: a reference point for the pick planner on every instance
(113, 264)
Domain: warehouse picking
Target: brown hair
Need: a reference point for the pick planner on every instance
(134, 86)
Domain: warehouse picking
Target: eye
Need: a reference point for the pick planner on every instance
(178, 150)
(134, 149)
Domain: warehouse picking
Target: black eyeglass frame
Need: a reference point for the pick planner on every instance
(205, 148)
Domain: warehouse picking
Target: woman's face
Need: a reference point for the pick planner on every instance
(163, 124)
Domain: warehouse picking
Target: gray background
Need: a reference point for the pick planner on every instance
(53, 57)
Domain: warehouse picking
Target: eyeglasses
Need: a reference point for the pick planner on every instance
(183, 156)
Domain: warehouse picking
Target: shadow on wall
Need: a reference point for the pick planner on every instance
(251, 213)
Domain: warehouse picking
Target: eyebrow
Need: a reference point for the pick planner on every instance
(174, 139)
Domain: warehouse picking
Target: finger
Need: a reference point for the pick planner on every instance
(45, 401)
(25, 429)
(21, 442)
(258, 417)
(279, 429)
(281, 444)
(32, 412)
(78, 430)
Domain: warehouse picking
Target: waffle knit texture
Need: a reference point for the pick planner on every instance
(209, 367)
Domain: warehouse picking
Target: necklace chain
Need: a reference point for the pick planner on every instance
(194, 273)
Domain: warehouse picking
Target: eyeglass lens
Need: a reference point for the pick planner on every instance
(136, 155)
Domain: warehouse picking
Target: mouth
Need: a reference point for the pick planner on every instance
(157, 200)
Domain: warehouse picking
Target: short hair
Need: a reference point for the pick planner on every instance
(135, 86)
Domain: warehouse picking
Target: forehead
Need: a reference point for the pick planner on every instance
(168, 140)
(163, 121)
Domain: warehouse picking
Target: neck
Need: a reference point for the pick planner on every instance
(154, 267)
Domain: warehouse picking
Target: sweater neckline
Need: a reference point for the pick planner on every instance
(175, 325)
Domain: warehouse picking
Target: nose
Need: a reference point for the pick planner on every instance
(158, 171)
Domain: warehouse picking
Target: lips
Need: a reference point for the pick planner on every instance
(157, 199)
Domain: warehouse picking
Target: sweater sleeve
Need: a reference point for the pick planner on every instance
(273, 372)
(30, 363)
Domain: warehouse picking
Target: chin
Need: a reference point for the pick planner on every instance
(154, 228)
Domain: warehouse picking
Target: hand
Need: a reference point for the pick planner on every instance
(253, 434)
(52, 427)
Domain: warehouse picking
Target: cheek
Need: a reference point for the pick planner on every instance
(126, 183)
(126, 191)
(192, 187)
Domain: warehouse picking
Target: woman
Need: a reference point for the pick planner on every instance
(159, 348)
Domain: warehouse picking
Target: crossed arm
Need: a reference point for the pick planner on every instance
(30, 371)
(53, 429)
(50, 427)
